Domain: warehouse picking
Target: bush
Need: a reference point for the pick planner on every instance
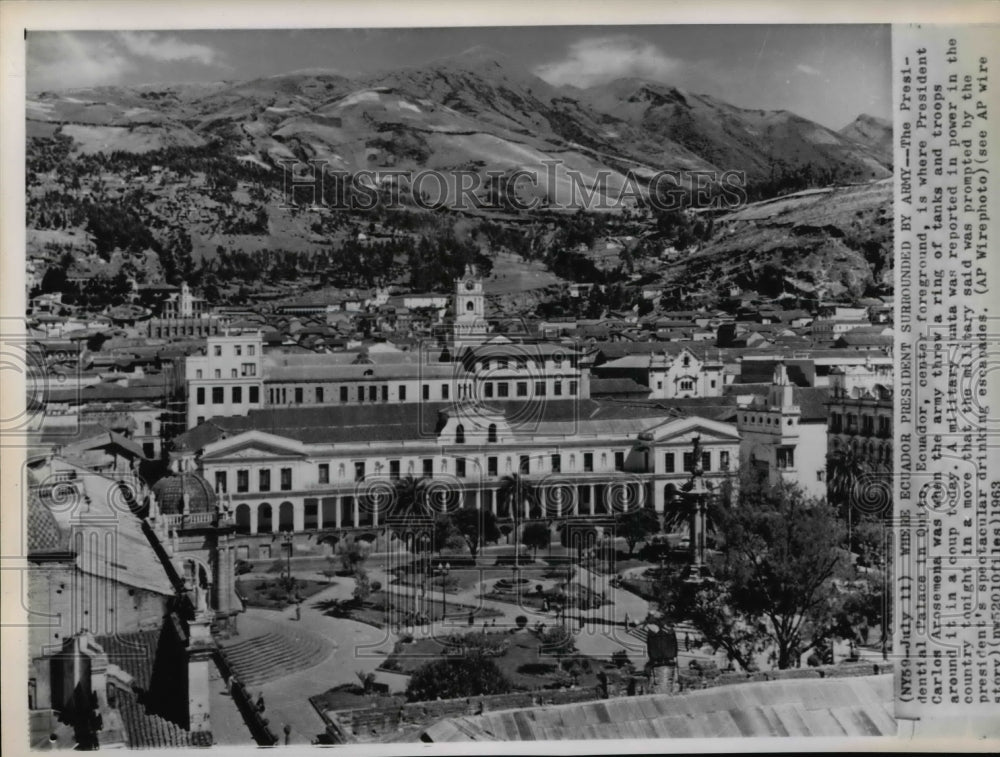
(243, 566)
(620, 658)
(376, 586)
(468, 676)
(521, 620)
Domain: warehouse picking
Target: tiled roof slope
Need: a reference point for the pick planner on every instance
(805, 707)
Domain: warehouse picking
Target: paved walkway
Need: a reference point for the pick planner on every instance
(228, 727)
(358, 647)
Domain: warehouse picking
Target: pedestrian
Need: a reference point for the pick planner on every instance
(494, 623)
(472, 617)
(626, 621)
(298, 612)
(485, 626)
(687, 643)
(260, 702)
(288, 734)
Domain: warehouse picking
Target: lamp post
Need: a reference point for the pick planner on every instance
(287, 539)
(444, 570)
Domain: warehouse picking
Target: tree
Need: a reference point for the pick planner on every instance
(477, 527)
(773, 584)
(446, 534)
(635, 525)
(514, 493)
(352, 552)
(557, 640)
(470, 675)
(362, 586)
(536, 536)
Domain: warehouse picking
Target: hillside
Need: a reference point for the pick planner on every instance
(832, 242)
(872, 132)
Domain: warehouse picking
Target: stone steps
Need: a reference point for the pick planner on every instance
(273, 655)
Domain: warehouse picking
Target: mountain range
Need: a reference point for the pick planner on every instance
(478, 111)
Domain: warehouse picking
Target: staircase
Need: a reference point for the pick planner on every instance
(273, 655)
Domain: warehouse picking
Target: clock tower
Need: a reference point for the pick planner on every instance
(470, 326)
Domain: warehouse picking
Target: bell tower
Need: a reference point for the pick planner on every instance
(470, 325)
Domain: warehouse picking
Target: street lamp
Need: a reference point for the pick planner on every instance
(444, 570)
(287, 539)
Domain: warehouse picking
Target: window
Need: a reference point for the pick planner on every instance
(385, 392)
(522, 388)
(251, 349)
(218, 395)
(688, 461)
(724, 460)
(198, 373)
(147, 428)
(687, 385)
(242, 480)
(619, 461)
(394, 469)
(218, 373)
(444, 391)
(786, 457)
(200, 395)
(460, 434)
(557, 388)
(428, 467)
(298, 395)
(503, 389)
(361, 394)
(218, 350)
(572, 388)
(524, 465)
(706, 461)
(557, 463)
(557, 360)
(539, 388)
(343, 394)
(237, 395)
(238, 350)
(359, 471)
(286, 479)
(488, 389)
(233, 373)
(460, 467)
(502, 363)
(668, 462)
(491, 466)
(220, 482)
(426, 391)
(373, 394)
(200, 420)
(402, 393)
(491, 433)
(324, 473)
(254, 394)
(264, 480)
(319, 394)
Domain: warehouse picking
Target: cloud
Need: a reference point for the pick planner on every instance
(159, 47)
(596, 60)
(67, 60)
(62, 60)
(806, 69)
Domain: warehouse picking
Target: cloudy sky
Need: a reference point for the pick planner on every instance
(827, 73)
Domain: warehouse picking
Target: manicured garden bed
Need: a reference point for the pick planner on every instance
(274, 594)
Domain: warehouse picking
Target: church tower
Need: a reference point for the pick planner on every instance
(470, 327)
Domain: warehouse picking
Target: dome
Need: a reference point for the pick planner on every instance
(170, 490)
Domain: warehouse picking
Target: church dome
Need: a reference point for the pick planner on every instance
(170, 490)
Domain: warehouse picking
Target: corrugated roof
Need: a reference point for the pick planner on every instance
(618, 386)
(832, 707)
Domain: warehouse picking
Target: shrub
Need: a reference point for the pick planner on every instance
(467, 676)
(243, 566)
(620, 658)
(376, 586)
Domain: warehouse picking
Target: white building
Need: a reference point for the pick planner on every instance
(228, 379)
(783, 435)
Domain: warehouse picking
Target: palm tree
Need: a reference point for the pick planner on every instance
(844, 470)
(513, 495)
(409, 510)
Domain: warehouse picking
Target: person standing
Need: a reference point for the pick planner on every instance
(288, 734)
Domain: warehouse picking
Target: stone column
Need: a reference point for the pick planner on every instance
(253, 519)
(298, 516)
(336, 512)
(357, 512)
